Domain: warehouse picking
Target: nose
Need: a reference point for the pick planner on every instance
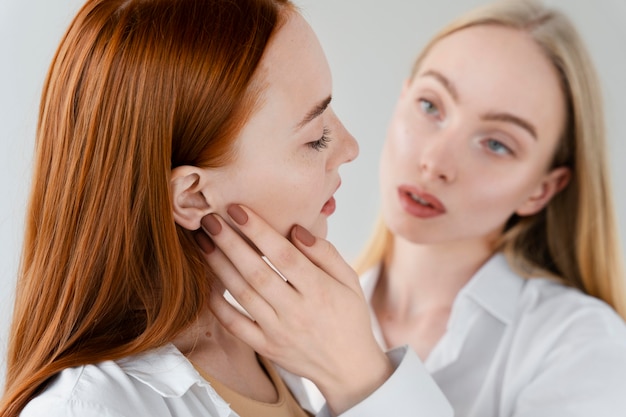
(346, 148)
(437, 159)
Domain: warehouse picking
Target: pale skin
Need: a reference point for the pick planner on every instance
(471, 130)
(470, 144)
(316, 339)
(289, 150)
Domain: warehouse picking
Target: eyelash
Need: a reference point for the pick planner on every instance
(432, 111)
(506, 149)
(321, 143)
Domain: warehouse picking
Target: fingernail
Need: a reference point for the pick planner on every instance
(304, 235)
(205, 242)
(237, 214)
(211, 224)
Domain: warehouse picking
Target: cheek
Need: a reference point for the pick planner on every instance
(406, 136)
(253, 186)
(400, 136)
(304, 192)
(400, 151)
(283, 197)
(386, 171)
(497, 197)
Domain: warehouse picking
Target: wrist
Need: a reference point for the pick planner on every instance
(354, 383)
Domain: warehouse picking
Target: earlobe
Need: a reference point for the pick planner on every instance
(189, 203)
(555, 181)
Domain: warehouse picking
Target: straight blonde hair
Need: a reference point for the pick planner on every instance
(575, 237)
(135, 89)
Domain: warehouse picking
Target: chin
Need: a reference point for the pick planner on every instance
(320, 228)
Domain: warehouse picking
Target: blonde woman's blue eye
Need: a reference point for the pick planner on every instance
(498, 147)
(321, 143)
(429, 107)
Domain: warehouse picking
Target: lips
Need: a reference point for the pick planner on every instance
(330, 205)
(419, 203)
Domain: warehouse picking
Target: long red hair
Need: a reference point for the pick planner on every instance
(136, 88)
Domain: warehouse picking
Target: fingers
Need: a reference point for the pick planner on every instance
(235, 321)
(310, 327)
(280, 252)
(295, 262)
(323, 254)
(249, 279)
(230, 279)
(205, 243)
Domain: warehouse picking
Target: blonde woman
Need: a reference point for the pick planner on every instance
(496, 257)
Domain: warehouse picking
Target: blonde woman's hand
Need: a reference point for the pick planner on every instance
(313, 321)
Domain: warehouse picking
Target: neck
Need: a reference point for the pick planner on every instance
(419, 283)
(211, 348)
(418, 278)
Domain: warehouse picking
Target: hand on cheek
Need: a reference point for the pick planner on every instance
(315, 325)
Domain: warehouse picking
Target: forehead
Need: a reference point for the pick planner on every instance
(507, 57)
(501, 69)
(294, 67)
(293, 77)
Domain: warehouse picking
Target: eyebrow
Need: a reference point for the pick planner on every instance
(500, 117)
(444, 81)
(507, 117)
(316, 111)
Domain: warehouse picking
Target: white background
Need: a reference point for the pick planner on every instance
(370, 45)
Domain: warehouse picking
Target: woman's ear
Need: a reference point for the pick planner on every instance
(550, 185)
(188, 199)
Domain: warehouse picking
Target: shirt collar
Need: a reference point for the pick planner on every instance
(368, 281)
(495, 287)
(368, 284)
(493, 290)
(168, 372)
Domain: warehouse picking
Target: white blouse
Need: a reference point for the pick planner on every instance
(513, 348)
(163, 383)
(518, 347)
(159, 383)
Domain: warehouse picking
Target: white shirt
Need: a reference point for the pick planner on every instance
(159, 383)
(513, 348)
(163, 383)
(523, 348)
